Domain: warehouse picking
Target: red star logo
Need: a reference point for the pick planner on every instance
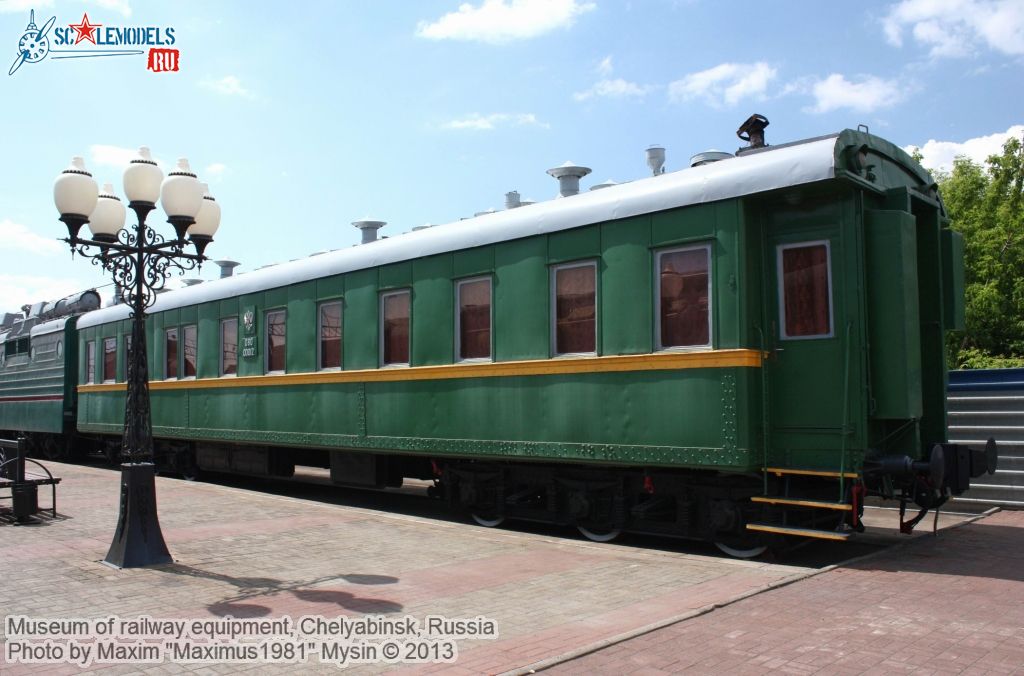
(85, 30)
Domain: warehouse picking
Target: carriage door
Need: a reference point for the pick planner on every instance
(805, 368)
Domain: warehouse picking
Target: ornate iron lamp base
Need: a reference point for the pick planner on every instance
(138, 540)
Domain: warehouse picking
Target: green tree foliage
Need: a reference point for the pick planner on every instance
(986, 204)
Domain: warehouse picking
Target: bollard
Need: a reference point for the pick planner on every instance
(19, 465)
(24, 496)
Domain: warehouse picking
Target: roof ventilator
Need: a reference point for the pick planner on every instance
(568, 176)
(369, 228)
(227, 268)
(656, 160)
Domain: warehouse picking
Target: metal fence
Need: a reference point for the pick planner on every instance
(990, 403)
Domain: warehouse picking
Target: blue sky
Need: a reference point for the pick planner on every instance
(306, 117)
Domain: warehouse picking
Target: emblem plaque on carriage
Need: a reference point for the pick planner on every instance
(249, 339)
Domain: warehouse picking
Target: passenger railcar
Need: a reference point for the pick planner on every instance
(735, 352)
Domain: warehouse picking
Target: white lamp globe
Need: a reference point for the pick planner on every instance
(74, 191)
(142, 178)
(107, 218)
(181, 193)
(208, 219)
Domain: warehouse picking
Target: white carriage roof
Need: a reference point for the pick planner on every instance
(49, 327)
(781, 167)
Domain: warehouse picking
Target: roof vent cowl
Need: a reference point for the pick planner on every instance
(369, 228)
(656, 160)
(227, 267)
(568, 176)
(708, 156)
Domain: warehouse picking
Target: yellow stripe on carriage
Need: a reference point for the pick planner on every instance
(662, 361)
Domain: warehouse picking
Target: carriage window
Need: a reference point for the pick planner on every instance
(575, 309)
(229, 347)
(90, 362)
(191, 344)
(127, 354)
(171, 353)
(684, 293)
(395, 329)
(109, 360)
(474, 319)
(276, 342)
(330, 335)
(805, 290)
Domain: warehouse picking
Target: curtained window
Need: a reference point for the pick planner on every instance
(127, 354)
(684, 310)
(191, 345)
(805, 293)
(395, 328)
(474, 328)
(330, 335)
(575, 309)
(90, 362)
(276, 342)
(109, 360)
(229, 347)
(171, 353)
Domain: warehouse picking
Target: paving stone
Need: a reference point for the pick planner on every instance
(947, 604)
(246, 554)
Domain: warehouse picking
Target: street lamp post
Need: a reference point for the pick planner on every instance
(140, 263)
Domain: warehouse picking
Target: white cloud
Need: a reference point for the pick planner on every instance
(18, 290)
(615, 89)
(112, 156)
(502, 21)
(605, 68)
(939, 155)
(488, 122)
(865, 96)
(727, 83)
(18, 237)
(229, 85)
(215, 170)
(955, 28)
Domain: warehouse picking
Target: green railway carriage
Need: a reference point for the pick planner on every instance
(728, 351)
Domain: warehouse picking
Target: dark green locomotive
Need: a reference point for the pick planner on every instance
(730, 351)
(38, 372)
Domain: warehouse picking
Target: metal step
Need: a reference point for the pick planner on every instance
(995, 492)
(799, 532)
(1000, 432)
(999, 487)
(779, 471)
(986, 501)
(796, 502)
(987, 403)
(1006, 449)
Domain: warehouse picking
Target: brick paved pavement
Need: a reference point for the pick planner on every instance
(947, 605)
(249, 554)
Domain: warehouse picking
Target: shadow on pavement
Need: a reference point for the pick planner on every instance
(979, 549)
(251, 588)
